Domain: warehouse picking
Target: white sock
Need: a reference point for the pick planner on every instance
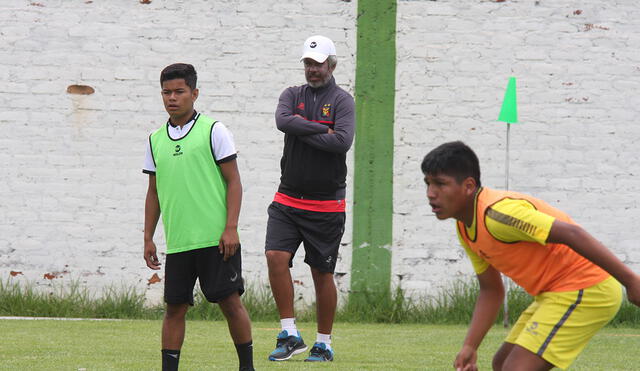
(324, 338)
(289, 325)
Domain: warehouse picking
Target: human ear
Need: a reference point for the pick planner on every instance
(331, 69)
(469, 185)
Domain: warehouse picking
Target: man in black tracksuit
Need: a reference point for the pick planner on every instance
(318, 120)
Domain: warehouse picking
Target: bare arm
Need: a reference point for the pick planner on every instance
(484, 316)
(151, 216)
(586, 245)
(339, 139)
(230, 241)
(289, 123)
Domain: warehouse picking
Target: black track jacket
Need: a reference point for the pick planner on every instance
(313, 164)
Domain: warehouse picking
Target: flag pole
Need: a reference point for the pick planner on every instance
(506, 180)
(508, 115)
(505, 279)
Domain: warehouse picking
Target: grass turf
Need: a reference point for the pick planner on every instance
(135, 345)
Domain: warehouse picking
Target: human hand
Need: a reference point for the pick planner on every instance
(466, 359)
(229, 242)
(633, 291)
(150, 255)
(331, 131)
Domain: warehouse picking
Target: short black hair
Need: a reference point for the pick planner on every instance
(180, 71)
(455, 159)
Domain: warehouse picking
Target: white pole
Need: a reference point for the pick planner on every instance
(506, 181)
(505, 279)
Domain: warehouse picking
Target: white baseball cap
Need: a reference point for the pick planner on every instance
(318, 48)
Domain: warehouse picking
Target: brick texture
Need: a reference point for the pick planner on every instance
(73, 193)
(576, 64)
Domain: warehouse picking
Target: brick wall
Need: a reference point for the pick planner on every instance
(73, 193)
(577, 65)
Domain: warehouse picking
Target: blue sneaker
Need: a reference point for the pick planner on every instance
(287, 346)
(320, 353)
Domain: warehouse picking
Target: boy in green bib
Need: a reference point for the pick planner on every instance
(195, 185)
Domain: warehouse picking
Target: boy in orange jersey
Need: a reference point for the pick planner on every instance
(566, 270)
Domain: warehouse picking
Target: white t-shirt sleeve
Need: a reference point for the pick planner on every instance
(149, 166)
(224, 149)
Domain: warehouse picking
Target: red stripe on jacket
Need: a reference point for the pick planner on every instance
(318, 121)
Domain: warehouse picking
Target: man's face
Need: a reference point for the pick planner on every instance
(178, 98)
(317, 74)
(447, 197)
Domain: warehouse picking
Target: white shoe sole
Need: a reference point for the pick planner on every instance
(297, 351)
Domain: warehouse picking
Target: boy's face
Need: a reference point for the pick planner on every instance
(178, 98)
(448, 198)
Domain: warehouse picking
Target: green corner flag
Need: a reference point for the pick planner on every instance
(509, 111)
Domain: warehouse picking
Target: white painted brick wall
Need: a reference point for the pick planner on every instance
(73, 194)
(577, 65)
(73, 191)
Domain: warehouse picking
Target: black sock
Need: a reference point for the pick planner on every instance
(245, 355)
(170, 359)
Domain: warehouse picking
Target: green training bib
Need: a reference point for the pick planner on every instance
(191, 189)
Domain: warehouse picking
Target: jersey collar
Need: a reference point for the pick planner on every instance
(193, 118)
(472, 231)
(174, 132)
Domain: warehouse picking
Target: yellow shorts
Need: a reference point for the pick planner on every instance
(558, 325)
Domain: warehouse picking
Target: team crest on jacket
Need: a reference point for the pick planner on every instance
(326, 110)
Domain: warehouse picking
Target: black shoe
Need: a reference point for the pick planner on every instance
(287, 346)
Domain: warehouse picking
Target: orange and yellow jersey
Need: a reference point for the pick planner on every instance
(510, 231)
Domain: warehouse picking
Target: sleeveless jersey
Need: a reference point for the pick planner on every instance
(537, 267)
(191, 189)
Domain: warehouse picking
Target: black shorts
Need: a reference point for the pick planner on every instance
(321, 233)
(218, 278)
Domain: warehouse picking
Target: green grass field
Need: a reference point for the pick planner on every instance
(135, 344)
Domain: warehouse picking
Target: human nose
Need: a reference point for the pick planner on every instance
(431, 192)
